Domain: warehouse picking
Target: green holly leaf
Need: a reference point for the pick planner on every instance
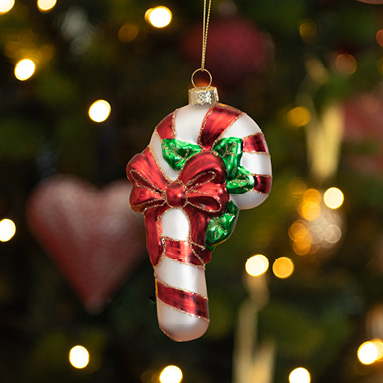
(176, 152)
(230, 150)
(220, 228)
(239, 180)
(242, 183)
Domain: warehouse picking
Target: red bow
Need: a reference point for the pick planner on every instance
(199, 190)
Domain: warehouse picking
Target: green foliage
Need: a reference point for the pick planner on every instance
(176, 152)
(19, 140)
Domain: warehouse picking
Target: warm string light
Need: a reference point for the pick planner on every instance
(99, 111)
(24, 69)
(298, 117)
(333, 198)
(158, 17)
(46, 5)
(370, 352)
(171, 374)
(79, 357)
(257, 265)
(7, 230)
(299, 375)
(283, 267)
(6, 5)
(318, 225)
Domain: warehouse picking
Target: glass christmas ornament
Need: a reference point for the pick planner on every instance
(205, 161)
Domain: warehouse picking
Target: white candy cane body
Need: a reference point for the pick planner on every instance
(175, 225)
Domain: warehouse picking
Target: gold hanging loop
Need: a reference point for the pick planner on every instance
(201, 70)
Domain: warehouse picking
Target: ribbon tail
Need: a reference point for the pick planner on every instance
(154, 244)
(198, 227)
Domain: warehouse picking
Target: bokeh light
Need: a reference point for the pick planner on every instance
(46, 5)
(257, 265)
(99, 111)
(297, 186)
(308, 30)
(298, 116)
(159, 17)
(368, 353)
(171, 374)
(128, 32)
(333, 198)
(6, 5)
(299, 375)
(79, 357)
(309, 208)
(345, 63)
(7, 230)
(283, 267)
(24, 69)
(379, 347)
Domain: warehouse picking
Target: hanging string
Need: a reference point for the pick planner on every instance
(205, 28)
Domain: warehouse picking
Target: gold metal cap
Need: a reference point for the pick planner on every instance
(203, 95)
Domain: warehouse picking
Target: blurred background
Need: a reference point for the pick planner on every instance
(308, 306)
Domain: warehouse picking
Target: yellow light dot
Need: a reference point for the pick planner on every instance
(7, 229)
(379, 346)
(159, 17)
(302, 247)
(298, 116)
(99, 111)
(297, 186)
(46, 5)
(333, 198)
(308, 30)
(24, 69)
(368, 353)
(6, 5)
(127, 33)
(345, 63)
(257, 265)
(283, 267)
(312, 195)
(298, 230)
(171, 374)
(309, 210)
(79, 357)
(299, 375)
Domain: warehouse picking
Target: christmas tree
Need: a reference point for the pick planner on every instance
(294, 294)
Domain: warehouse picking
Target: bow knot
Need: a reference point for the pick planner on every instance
(199, 190)
(176, 194)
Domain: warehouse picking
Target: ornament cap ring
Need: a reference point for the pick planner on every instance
(201, 70)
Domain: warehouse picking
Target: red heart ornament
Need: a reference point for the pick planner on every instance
(92, 235)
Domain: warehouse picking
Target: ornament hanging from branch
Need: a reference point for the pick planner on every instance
(205, 162)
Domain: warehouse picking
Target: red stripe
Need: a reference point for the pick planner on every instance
(188, 302)
(181, 251)
(165, 127)
(262, 184)
(217, 120)
(255, 143)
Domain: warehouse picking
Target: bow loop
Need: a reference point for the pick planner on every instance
(199, 190)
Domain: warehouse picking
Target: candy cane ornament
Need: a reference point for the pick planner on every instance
(205, 162)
